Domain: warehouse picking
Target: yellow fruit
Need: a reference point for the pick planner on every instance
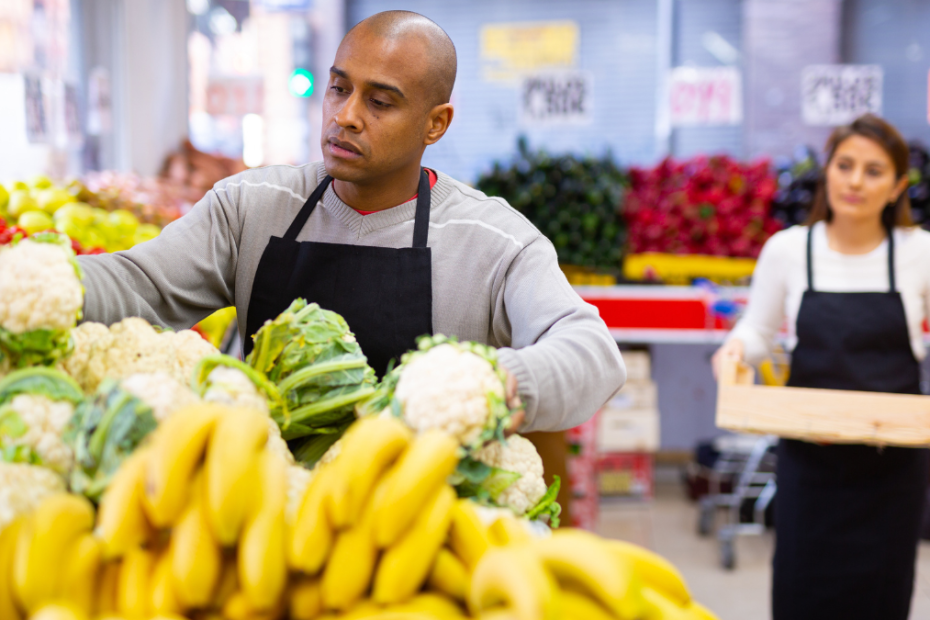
(196, 559)
(508, 530)
(449, 576)
(422, 469)
(21, 201)
(305, 599)
(433, 605)
(312, 535)
(54, 525)
(52, 199)
(262, 552)
(405, 566)
(82, 562)
(232, 457)
(513, 577)
(369, 448)
(239, 608)
(577, 606)
(9, 536)
(164, 598)
(121, 520)
(135, 579)
(468, 537)
(107, 588)
(34, 221)
(655, 571)
(177, 448)
(58, 611)
(656, 606)
(699, 612)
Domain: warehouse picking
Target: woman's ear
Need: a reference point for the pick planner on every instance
(900, 187)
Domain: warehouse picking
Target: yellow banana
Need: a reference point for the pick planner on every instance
(305, 599)
(468, 536)
(576, 606)
(56, 523)
(405, 566)
(312, 535)
(177, 448)
(195, 557)
(498, 614)
(369, 448)
(351, 564)
(121, 520)
(82, 561)
(513, 577)
(9, 536)
(422, 469)
(578, 557)
(434, 605)
(654, 570)
(449, 576)
(262, 550)
(107, 588)
(164, 598)
(239, 608)
(507, 530)
(231, 483)
(228, 584)
(659, 607)
(135, 579)
(699, 612)
(58, 611)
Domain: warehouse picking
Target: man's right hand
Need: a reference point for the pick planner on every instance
(732, 349)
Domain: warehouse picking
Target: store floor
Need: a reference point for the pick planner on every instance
(668, 524)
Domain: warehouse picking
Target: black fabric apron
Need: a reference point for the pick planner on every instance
(847, 517)
(384, 294)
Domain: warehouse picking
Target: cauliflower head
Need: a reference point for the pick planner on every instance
(449, 388)
(517, 455)
(23, 487)
(40, 287)
(45, 421)
(298, 479)
(189, 348)
(87, 363)
(160, 391)
(231, 386)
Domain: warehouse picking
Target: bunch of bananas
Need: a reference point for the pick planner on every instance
(194, 525)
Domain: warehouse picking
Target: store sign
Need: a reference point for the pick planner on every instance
(235, 96)
(512, 50)
(705, 96)
(556, 99)
(839, 94)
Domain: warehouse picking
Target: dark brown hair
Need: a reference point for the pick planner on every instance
(879, 131)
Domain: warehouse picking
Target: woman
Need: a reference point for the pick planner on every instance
(854, 286)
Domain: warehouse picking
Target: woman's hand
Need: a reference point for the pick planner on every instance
(731, 350)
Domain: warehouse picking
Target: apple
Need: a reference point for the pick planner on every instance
(41, 182)
(124, 222)
(35, 221)
(80, 213)
(20, 202)
(145, 233)
(50, 200)
(4, 198)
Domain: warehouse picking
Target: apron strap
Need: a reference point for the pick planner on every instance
(304, 214)
(891, 282)
(810, 262)
(421, 223)
(810, 258)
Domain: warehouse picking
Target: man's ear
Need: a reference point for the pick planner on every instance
(440, 117)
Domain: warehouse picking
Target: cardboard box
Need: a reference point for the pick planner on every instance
(628, 430)
(626, 475)
(640, 395)
(638, 366)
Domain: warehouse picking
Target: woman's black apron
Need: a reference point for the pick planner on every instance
(384, 294)
(847, 517)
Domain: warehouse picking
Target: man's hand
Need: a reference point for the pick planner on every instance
(513, 401)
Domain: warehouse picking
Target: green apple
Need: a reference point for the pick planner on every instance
(50, 200)
(78, 212)
(41, 182)
(4, 198)
(35, 221)
(20, 202)
(90, 239)
(20, 185)
(124, 222)
(145, 233)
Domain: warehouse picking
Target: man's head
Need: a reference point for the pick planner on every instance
(387, 97)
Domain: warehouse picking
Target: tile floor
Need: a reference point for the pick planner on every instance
(668, 524)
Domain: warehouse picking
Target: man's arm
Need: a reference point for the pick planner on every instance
(565, 361)
(174, 280)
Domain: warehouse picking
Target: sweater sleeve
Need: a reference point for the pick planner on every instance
(174, 280)
(565, 361)
(765, 311)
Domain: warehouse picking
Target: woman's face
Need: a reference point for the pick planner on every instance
(861, 180)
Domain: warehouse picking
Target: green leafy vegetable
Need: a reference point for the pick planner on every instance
(48, 382)
(548, 507)
(480, 481)
(309, 449)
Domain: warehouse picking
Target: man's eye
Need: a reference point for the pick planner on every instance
(380, 104)
(338, 89)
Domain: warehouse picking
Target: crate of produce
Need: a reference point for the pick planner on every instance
(628, 474)
(834, 416)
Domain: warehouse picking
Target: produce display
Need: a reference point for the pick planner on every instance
(797, 185)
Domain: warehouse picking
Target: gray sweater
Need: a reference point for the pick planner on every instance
(495, 279)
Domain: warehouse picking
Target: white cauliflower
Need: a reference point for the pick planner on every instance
(87, 363)
(160, 391)
(23, 487)
(189, 348)
(519, 456)
(39, 287)
(298, 479)
(45, 422)
(448, 388)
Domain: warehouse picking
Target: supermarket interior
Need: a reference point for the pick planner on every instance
(657, 349)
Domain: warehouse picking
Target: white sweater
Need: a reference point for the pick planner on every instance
(780, 279)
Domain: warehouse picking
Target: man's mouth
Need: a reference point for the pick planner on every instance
(343, 149)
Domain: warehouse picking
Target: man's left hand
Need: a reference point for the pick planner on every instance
(515, 404)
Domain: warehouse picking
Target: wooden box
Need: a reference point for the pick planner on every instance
(834, 416)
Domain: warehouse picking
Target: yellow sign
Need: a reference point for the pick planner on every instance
(514, 49)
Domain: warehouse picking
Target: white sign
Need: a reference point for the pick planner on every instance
(705, 96)
(560, 98)
(839, 94)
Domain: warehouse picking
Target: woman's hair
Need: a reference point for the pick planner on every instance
(883, 133)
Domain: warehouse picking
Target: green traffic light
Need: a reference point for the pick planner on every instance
(301, 83)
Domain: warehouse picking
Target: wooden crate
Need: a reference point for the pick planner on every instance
(835, 416)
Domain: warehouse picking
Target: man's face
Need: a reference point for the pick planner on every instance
(375, 111)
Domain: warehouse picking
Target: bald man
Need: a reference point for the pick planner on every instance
(398, 250)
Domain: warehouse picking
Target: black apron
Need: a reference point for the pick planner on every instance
(847, 517)
(384, 294)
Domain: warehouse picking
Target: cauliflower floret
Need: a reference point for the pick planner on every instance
(160, 391)
(231, 386)
(448, 388)
(189, 348)
(518, 456)
(87, 363)
(298, 479)
(45, 421)
(39, 287)
(23, 487)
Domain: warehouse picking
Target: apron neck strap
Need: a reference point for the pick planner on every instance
(810, 260)
(298, 224)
